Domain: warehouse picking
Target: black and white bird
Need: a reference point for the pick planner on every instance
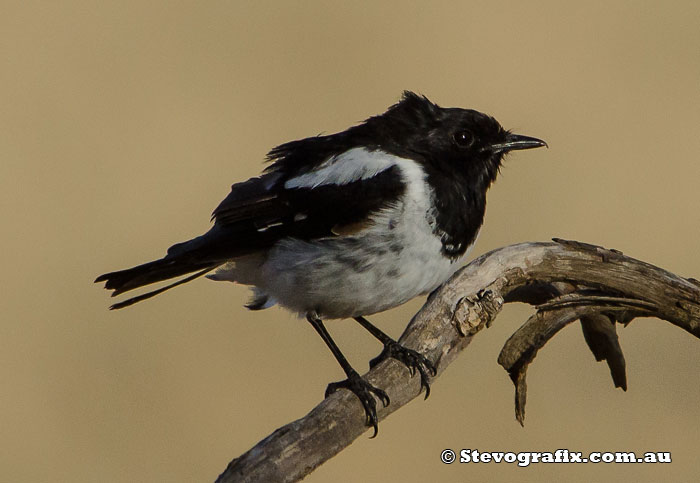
(350, 224)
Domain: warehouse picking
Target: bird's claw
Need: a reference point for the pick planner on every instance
(363, 390)
(412, 359)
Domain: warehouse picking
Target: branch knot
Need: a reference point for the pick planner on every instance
(476, 311)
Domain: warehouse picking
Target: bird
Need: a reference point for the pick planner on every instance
(350, 224)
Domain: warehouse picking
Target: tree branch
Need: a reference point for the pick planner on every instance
(566, 280)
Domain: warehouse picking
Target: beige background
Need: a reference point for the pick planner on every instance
(122, 126)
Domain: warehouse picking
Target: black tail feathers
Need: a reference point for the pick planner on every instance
(152, 272)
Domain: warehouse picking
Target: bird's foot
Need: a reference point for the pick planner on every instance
(412, 359)
(363, 390)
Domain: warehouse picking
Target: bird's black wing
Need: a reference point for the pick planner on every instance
(259, 212)
(263, 210)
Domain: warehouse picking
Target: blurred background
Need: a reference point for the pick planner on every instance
(123, 125)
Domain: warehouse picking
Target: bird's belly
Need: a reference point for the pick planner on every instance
(352, 276)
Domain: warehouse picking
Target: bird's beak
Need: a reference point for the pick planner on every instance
(516, 141)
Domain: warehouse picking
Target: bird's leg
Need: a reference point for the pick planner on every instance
(361, 388)
(412, 359)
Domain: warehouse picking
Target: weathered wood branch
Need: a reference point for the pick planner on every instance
(567, 281)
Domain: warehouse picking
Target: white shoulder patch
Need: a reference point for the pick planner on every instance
(352, 165)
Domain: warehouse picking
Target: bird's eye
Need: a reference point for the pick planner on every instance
(463, 138)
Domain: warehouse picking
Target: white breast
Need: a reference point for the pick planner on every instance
(397, 258)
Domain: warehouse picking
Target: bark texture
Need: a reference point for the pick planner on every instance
(566, 281)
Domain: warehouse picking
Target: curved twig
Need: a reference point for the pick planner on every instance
(603, 286)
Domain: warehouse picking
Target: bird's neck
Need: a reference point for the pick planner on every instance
(460, 208)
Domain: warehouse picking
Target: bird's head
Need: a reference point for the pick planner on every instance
(450, 140)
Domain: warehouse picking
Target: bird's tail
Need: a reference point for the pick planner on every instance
(179, 261)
